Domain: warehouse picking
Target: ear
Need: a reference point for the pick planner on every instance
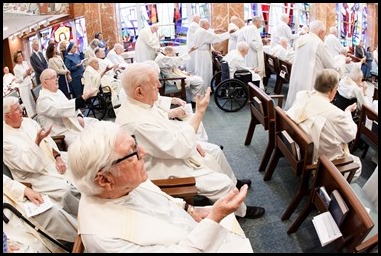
(139, 93)
(104, 180)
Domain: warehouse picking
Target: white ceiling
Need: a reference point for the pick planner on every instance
(17, 23)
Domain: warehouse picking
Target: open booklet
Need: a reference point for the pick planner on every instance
(326, 228)
(32, 209)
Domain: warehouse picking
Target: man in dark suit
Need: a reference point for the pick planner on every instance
(360, 52)
(38, 61)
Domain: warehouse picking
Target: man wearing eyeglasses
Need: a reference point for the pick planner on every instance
(56, 110)
(173, 149)
(122, 211)
(33, 157)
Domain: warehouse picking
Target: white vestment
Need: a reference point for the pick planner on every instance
(333, 45)
(349, 90)
(169, 68)
(147, 45)
(237, 62)
(147, 220)
(54, 109)
(9, 82)
(190, 64)
(55, 221)
(311, 56)
(330, 128)
(232, 44)
(92, 80)
(171, 150)
(203, 56)
(25, 85)
(254, 58)
(116, 59)
(282, 30)
(35, 164)
(109, 80)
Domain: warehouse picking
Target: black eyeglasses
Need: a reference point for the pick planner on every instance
(129, 155)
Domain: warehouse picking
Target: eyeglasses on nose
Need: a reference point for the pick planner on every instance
(129, 155)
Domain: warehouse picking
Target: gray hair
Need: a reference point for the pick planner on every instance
(242, 46)
(92, 61)
(94, 43)
(284, 17)
(8, 102)
(326, 80)
(93, 150)
(118, 46)
(196, 18)
(154, 64)
(257, 18)
(355, 73)
(135, 75)
(46, 73)
(343, 51)
(317, 26)
(202, 22)
(283, 40)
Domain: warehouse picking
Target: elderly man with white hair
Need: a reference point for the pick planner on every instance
(114, 55)
(173, 149)
(282, 29)
(148, 43)
(236, 61)
(56, 110)
(94, 77)
(282, 51)
(332, 42)
(311, 56)
(204, 37)
(33, 157)
(251, 35)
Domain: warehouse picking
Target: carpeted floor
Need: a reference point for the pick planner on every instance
(267, 234)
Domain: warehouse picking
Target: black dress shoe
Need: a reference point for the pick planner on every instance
(240, 183)
(254, 212)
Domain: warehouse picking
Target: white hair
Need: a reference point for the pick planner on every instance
(8, 102)
(284, 17)
(355, 73)
(242, 46)
(317, 26)
(93, 150)
(202, 22)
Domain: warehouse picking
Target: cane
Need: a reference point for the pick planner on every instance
(18, 214)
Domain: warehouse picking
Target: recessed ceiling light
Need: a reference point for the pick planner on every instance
(5, 28)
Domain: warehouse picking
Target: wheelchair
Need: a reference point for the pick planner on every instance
(231, 94)
(100, 104)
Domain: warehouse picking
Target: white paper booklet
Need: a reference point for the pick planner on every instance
(31, 209)
(326, 228)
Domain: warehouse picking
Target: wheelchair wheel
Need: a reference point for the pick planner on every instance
(97, 105)
(231, 95)
(216, 79)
